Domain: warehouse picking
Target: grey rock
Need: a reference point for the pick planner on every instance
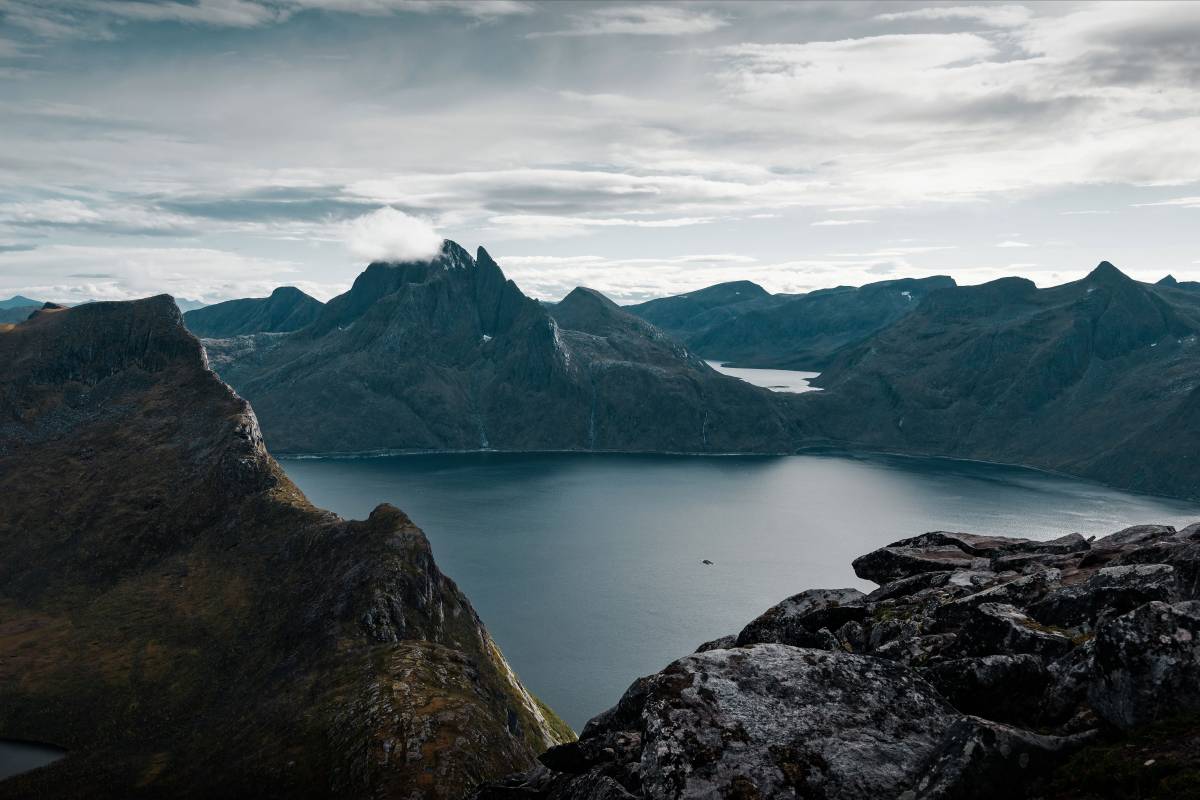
(1147, 664)
(1108, 592)
(1001, 628)
(983, 760)
(798, 619)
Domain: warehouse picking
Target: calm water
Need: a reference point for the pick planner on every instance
(777, 380)
(587, 568)
(18, 757)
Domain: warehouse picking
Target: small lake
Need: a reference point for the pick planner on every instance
(18, 757)
(587, 568)
(777, 380)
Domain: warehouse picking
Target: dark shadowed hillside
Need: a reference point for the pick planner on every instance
(743, 324)
(287, 309)
(1096, 378)
(449, 354)
(176, 614)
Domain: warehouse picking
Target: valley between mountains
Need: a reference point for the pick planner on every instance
(183, 622)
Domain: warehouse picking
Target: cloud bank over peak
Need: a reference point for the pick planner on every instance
(391, 235)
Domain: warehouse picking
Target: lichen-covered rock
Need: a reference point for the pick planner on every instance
(799, 619)
(983, 760)
(1003, 628)
(1109, 592)
(1147, 664)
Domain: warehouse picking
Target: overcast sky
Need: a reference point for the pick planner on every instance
(219, 148)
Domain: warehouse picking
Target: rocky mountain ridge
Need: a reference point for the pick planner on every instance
(451, 355)
(742, 323)
(180, 618)
(982, 667)
(1094, 378)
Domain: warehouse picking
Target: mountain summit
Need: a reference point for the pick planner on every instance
(448, 354)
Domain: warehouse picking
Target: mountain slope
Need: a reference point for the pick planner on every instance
(18, 301)
(1092, 378)
(176, 614)
(287, 309)
(449, 354)
(736, 323)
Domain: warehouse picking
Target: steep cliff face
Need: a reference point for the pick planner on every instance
(287, 309)
(176, 614)
(982, 667)
(741, 323)
(448, 354)
(1093, 378)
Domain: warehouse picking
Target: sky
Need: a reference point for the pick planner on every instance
(215, 149)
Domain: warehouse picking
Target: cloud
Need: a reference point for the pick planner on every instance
(646, 20)
(1184, 202)
(992, 16)
(1012, 243)
(837, 222)
(544, 226)
(391, 235)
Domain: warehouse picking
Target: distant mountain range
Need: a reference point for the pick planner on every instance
(287, 309)
(742, 323)
(450, 355)
(1098, 378)
(177, 615)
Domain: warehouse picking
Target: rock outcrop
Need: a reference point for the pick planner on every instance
(1096, 378)
(982, 667)
(449, 355)
(176, 615)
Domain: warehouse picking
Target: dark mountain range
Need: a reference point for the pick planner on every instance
(19, 301)
(982, 667)
(287, 309)
(448, 354)
(743, 324)
(180, 618)
(1097, 378)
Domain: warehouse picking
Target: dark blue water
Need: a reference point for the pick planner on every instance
(587, 568)
(18, 757)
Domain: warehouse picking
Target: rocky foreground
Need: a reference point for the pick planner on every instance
(180, 618)
(981, 667)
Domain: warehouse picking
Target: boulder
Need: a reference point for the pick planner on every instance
(1147, 664)
(1001, 628)
(983, 760)
(1108, 592)
(768, 720)
(799, 619)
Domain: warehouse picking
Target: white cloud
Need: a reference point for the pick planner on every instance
(547, 226)
(391, 235)
(1184, 202)
(1012, 243)
(837, 222)
(645, 20)
(993, 16)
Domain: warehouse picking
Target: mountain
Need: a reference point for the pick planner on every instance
(178, 617)
(982, 667)
(448, 354)
(742, 323)
(16, 314)
(18, 301)
(287, 309)
(1096, 378)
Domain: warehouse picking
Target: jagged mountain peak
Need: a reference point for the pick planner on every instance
(1167, 280)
